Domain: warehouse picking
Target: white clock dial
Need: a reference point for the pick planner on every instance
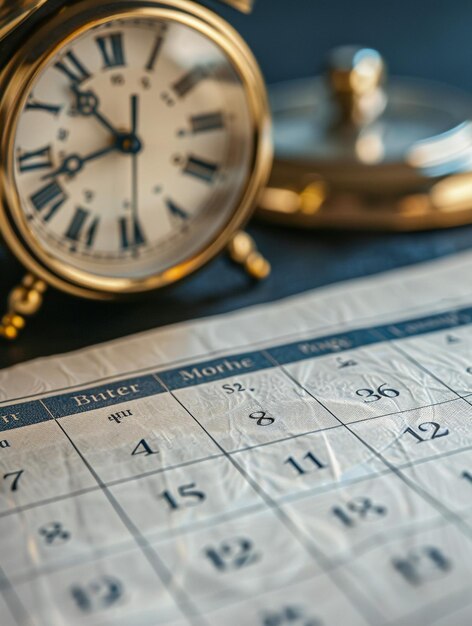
(134, 148)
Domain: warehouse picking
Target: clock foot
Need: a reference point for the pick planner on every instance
(24, 301)
(243, 251)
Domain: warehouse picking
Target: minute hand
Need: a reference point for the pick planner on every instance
(88, 104)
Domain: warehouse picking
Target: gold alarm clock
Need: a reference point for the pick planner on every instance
(135, 144)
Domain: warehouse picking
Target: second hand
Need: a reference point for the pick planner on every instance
(137, 235)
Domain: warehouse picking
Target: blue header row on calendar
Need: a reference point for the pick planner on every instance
(117, 392)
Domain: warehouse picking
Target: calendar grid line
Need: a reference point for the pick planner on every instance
(253, 482)
(157, 537)
(128, 546)
(263, 344)
(163, 574)
(463, 523)
(327, 488)
(112, 483)
(322, 489)
(247, 511)
(309, 348)
(117, 549)
(47, 501)
(412, 359)
(176, 466)
(444, 606)
(441, 455)
(364, 478)
(207, 612)
(284, 587)
(357, 600)
(328, 428)
(426, 370)
(15, 605)
(380, 539)
(125, 547)
(160, 470)
(403, 411)
(440, 507)
(51, 415)
(449, 515)
(319, 490)
(319, 558)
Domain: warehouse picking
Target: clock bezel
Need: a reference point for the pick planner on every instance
(16, 82)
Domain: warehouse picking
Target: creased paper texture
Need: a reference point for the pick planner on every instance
(300, 463)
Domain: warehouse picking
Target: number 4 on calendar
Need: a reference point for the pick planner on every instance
(145, 448)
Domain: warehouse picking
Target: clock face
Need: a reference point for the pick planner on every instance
(133, 149)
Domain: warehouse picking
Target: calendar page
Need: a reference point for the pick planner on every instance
(301, 463)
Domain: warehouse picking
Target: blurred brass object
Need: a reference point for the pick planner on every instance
(356, 152)
(24, 301)
(243, 251)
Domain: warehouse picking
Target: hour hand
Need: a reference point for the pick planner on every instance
(74, 163)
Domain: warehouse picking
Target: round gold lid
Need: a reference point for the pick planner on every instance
(353, 151)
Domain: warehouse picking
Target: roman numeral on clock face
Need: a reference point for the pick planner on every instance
(81, 228)
(35, 105)
(35, 160)
(48, 200)
(156, 48)
(201, 169)
(176, 211)
(190, 80)
(131, 234)
(111, 47)
(73, 68)
(207, 121)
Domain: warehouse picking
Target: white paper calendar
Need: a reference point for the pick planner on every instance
(301, 463)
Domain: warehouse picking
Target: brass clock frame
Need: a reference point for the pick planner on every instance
(19, 76)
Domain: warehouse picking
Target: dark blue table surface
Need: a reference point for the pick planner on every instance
(430, 39)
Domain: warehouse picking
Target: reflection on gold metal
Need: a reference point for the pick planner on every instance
(14, 12)
(242, 5)
(415, 206)
(370, 147)
(455, 144)
(448, 203)
(280, 200)
(24, 301)
(243, 251)
(15, 85)
(356, 77)
(452, 195)
(284, 201)
(313, 197)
